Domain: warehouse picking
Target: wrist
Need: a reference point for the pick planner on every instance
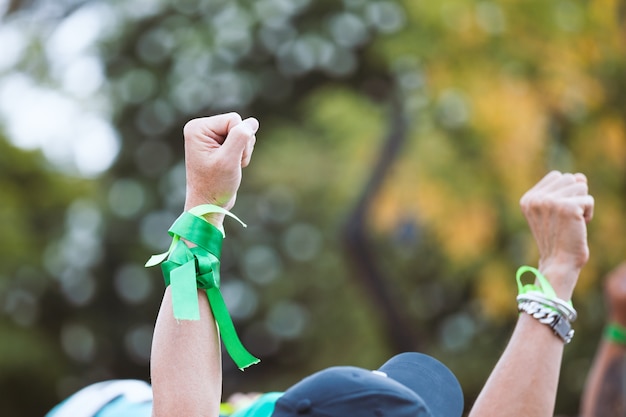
(615, 333)
(541, 301)
(563, 278)
(620, 321)
(187, 270)
(214, 218)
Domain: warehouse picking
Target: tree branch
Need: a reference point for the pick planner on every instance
(361, 256)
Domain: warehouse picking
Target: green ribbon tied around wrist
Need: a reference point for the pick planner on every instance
(543, 287)
(186, 270)
(615, 333)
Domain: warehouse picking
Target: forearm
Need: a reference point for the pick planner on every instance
(186, 357)
(605, 391)
(525, 378)
(186, 354)
(530, 365)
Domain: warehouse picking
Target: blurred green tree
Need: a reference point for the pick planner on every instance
(33, 212)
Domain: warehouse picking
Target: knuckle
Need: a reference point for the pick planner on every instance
(242, 131)
(233, 116)
(190, 127)
(554, 173)
(543, 204)
(525, 199)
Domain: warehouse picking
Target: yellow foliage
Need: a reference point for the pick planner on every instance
(611, 140)
(496, 290)
(605, 16)
(468, 231)
(567, 83)
(607, 229)
(511, 116)
(465, 226)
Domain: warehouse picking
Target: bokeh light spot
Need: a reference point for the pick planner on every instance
(78, 342)
(132, 283)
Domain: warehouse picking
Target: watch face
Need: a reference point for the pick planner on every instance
(563, 329)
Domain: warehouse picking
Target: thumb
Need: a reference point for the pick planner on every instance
(238, 138)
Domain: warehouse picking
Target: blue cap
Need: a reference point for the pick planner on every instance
(430, 379)
(407, 385)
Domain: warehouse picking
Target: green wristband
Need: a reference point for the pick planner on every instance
(544, 286)
(615, 333)
(186, 270)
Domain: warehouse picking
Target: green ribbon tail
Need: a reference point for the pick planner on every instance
(203, 209)
(233, 345)
(185, 292)
(157, 259)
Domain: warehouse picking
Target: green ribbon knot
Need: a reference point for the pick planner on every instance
(186, 270)
(544, 286)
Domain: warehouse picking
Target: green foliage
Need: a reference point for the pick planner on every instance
(32, 214)
(495, 93)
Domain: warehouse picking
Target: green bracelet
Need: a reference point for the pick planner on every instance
(544, 286)
(543, 293)
(615, 333)
(187, 269)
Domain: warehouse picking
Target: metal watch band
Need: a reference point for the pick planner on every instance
(556, 303)
(559, 324)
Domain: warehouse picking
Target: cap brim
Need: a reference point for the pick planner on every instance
(430, 379)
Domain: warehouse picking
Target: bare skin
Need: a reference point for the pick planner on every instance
(186, 363)
(186, 360)
(605, 389)
(557, 210)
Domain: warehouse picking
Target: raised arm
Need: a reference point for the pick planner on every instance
(605, 389)
(524, 381)
(185, 360)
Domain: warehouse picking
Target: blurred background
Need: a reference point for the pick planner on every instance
(382, 200)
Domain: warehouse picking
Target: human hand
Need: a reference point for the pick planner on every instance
(615, 294)
(557, 210)
(216, 149)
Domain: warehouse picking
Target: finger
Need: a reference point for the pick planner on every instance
(238, 138)
(559, 182)
(552, 181)
(215, 127)
(571, 189)
(247, 152)
(580, 177)
(588, 208)
(586, 205)
(548, 179)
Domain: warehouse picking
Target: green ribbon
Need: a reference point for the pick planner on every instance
(615, 333)
(187, 269)
(543, 287)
